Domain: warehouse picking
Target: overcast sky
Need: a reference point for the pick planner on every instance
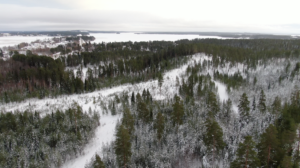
(258, 16)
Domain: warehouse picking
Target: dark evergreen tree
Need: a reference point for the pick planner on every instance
(159, 125)
(227, 111)
(276, 105)
(268, 146)
(98, 162)
(178, 111)
(253, 104)
(244, 107)
(143, 112)
(123, 146)
(246, 155)
(213, 138)
(132, 98)
(212, 105)
(262, 102)
(128, 120)
(1, 53)
(160, 81)
(113, 109)
(286, 162)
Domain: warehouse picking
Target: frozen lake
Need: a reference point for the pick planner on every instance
(107, 37)
(15, 40)
(123, 37)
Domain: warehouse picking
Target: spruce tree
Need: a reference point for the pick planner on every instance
(113, 109)
(160, 81)
(132, 98)
(138, 98)
(143, 112)
(178, 111)
(128, 120)
(253, 104)
(227, 111)
(212, 104)
(254, 80)
(246, 155)
(159, 125)
(98, 162)
(276, 105)
(144, 95)
(262, 102)
(244, 107)
(123, 146)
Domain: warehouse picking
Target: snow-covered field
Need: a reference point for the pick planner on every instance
(123, 37)
(105, 133)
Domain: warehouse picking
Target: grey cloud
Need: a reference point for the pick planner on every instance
(36, 18)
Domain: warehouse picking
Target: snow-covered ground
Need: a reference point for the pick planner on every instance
(223, 95)
(105, 133)
(123, 37)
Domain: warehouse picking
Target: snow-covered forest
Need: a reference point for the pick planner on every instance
(188, 103)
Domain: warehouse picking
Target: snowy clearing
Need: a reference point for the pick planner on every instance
(103, 135)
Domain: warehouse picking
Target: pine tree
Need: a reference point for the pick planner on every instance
(286, 162)
(213, 138)
(159, 125)
(98, 162)
(123, 146)
(246, 155)
(244, 107)
(178, 111)
(262, 102)
(160, 81)
(267, 146)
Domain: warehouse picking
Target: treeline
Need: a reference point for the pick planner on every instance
(76, 38)
(29, 140)
(231, 81)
